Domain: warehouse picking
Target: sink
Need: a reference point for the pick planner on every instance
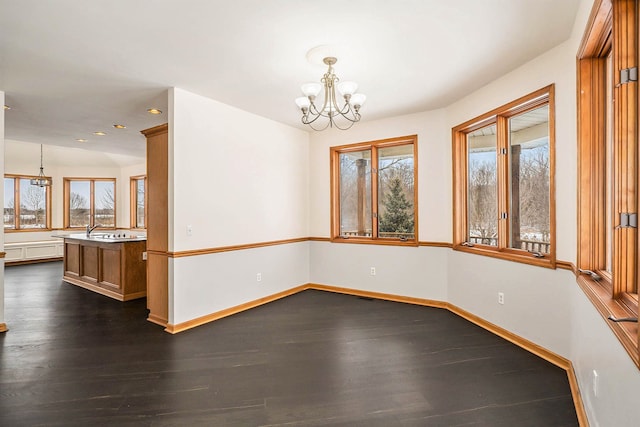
(109, 237)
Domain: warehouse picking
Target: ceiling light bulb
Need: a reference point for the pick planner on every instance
(119, 126)
(81, 140)
(99, 133)
(154, 111)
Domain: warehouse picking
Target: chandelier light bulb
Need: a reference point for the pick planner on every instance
(311, 89)
(303, 102)
(357, 99)
(347, 88)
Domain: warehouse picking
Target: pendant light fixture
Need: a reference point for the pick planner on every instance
(41, 180)
(333, 115)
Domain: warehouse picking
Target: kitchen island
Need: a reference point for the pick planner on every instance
(107, 263)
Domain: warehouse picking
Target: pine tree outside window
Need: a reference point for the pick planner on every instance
(374, 192)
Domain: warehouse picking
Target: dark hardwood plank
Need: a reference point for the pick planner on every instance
(73, 357)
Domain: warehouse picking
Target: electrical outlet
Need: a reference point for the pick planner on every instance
(259, 277)
(144, 256)
(595, 382)
(500, 297)
(189, 230)
(373, 271)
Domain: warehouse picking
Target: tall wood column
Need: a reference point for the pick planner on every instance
(157, 224)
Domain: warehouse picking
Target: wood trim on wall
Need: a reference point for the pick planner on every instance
(205, 251)
(214, 250)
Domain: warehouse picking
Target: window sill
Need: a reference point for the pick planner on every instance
(509, 255)
(364, 241)
(600, 296)
(27, 230)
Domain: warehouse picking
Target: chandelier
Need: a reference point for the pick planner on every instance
(41, 180)
(331, 113)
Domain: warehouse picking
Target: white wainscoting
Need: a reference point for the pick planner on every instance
(28, 251)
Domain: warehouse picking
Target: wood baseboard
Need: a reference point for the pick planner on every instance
(179, 327)
(376, 295)
(31, 261)
(157, 320)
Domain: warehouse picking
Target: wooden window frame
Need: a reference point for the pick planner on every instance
(133, 192)
(612, 29)
(66, 202)
(499, 117)
(16, 197)
(374, 146)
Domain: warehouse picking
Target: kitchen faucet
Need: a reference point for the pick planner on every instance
(90, 229)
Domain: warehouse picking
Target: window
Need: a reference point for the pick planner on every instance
(374, 192)
(607, 167)
(89, 202)
(503, 181)
(26, 207)
(138, 201)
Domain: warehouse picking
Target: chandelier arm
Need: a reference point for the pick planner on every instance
(320, 128)
(316, 116)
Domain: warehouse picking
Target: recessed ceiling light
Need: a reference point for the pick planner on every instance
(119, 126)
(154, 111)
(99, 133)
(81, 140)
(6, 107)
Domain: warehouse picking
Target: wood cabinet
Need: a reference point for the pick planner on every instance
(114, 269)
(157, 224)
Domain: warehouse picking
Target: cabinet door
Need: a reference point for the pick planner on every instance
(89, 263)
(111, 267)
(71, 259)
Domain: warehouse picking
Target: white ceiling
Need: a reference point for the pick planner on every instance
(72, 67)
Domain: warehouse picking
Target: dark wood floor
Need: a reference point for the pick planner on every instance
(72, 357)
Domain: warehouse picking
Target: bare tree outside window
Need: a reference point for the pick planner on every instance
(483, 201)
(32, 205)
(529, 169)
(140, 197)
(482, 186)
(91, 202)
(78, 210)
(26, 206)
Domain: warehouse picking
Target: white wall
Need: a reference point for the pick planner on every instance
(418, 272)
(236, 178)
(210, 283)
